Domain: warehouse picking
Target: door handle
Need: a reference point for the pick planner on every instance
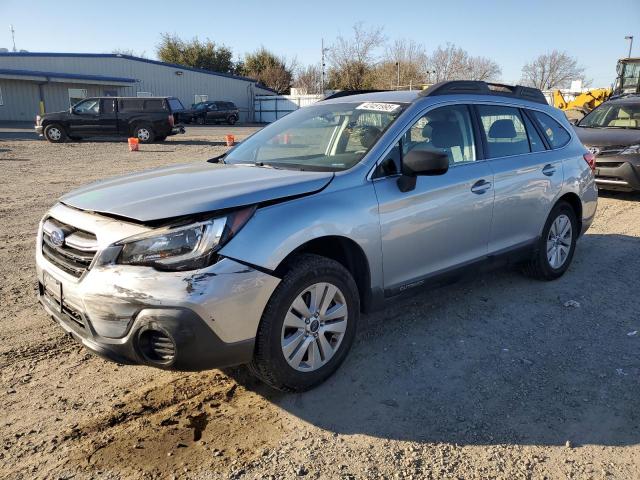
(549, 170)
(480, 186)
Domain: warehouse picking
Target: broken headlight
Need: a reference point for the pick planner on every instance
(186, 247)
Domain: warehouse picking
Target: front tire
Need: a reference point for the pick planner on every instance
(201, 121)
(308, 326)
(556, 245)
(54, 133)
(232, 120)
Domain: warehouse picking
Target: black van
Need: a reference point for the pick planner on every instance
(147, 118)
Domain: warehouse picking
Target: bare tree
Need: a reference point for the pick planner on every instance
(483, 68)
(129, 52)
(403, 65)
(552, 70)
(447, 63)
(450, 62)
(308, 79)
(353, 58)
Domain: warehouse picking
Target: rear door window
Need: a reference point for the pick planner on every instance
(535, 140)
(556, 134)
(108, 105)
(504, 131)
(175, 104)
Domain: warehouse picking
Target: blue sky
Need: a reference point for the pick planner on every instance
(510, 32)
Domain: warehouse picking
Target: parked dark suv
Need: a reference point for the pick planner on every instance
(147, 118)
(211, 112)
(611, 132)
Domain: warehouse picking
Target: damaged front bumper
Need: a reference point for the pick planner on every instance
(192, 320)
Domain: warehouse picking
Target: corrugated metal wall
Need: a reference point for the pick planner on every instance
(20, 100)
(158, 79)
(272, 107)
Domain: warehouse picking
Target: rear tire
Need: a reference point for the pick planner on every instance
(201, 121)
(556, 246)
(144, 133)
(308, 326)
(232, 120)
(54, 133)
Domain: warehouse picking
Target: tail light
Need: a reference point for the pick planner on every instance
(171, 121)
(590, 158)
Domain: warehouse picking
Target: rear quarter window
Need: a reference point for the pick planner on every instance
(555, 133)
(175, 104)
(154, 105)
(142, 105)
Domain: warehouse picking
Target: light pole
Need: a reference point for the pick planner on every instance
(397, 75)
(13, 36)
(323, 65)
(630, 38)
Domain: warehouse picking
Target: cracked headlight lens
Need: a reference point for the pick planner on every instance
(187, 247)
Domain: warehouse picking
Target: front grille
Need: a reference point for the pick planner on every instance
(609, 164)
(610, 150)
(75, 254)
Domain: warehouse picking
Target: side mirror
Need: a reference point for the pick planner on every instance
(421, 162)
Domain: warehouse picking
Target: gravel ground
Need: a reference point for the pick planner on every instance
(488, 378)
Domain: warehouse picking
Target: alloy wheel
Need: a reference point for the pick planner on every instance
(314, 327)
(559, 241)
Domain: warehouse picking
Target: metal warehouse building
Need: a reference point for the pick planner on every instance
(31, 83)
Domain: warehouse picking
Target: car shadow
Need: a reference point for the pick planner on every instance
(495, 359)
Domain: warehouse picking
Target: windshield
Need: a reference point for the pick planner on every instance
(321, 137)
(621, 115)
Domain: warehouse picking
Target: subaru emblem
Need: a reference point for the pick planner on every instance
(57, 237)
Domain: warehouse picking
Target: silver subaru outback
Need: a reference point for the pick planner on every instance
(268, 254)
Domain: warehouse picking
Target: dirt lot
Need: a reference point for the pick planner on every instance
(490, 378)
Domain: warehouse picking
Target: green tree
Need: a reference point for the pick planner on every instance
(269, 69)
(195, 53)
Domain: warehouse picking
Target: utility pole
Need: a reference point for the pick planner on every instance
(13, 36)
(628, 37)
(397, 75)
(322, 79)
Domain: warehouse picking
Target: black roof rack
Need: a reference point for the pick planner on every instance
(346, 93)
(477, 87)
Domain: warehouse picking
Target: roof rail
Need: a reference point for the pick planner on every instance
(346, 93)
(477, 87)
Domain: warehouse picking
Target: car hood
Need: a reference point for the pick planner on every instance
(192, 188)
(606, 137)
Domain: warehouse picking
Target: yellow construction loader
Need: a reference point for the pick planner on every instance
(627, 83)
(582, 104)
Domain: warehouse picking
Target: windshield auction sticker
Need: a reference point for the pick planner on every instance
(378, 107)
